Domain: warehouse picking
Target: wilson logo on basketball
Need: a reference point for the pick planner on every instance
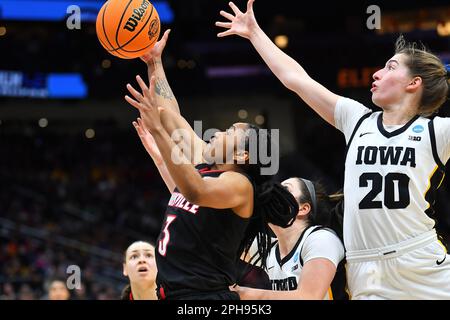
(137, 16)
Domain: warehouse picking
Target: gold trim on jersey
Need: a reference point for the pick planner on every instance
(442, 245)
(430, 183)
(330, 294)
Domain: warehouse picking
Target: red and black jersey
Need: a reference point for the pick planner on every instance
(197, 248)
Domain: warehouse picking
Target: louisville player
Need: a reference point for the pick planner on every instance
(140, 267)
(217, 209)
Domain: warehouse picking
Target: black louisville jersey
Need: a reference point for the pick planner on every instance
(197, 247)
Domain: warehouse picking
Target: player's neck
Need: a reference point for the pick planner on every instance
(288, 237)
(143, 292)
(399, 114)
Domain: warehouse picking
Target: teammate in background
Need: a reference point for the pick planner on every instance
(306, 261)
(57, 290)
(394, 165)
(140, 267)
(217, 209)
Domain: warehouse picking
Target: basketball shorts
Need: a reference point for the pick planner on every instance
(418, 268)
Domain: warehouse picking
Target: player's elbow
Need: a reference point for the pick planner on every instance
(292, 80)
(193, 195)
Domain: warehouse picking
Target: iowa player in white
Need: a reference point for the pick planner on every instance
(395, 164)
(305, 260)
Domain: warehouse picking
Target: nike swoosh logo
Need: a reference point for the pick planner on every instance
(270, 267)
(441, 262)
(363, 134)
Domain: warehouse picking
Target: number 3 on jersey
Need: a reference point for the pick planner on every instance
(396, 190)
(162, 244)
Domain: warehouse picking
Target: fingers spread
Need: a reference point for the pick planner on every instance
(133, 102)
(135, 93)
(227, 15)
(250, 5)
(225, 33)
(235, 9)
(224, 24)
(142, 84)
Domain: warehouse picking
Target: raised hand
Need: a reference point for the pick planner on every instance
(241, 24)
(156, 51)
(146, 104)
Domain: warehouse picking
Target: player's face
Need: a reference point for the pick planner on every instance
(140, 265)
(389, 86)
(58, 291)
(225, 144)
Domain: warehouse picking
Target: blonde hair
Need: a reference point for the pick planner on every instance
(424, 64)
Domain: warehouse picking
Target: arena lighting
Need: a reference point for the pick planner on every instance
(56, 10)
(282, 41)
(41, 85)
(242, 114)
(443, 29)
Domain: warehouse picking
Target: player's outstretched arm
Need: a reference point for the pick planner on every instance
(317, 275)
(286, 69)
(153, 59)
(152, 149)
(176, 126)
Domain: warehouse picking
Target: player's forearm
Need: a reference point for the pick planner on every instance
(164, 95)
(180, 169)
(284, 67)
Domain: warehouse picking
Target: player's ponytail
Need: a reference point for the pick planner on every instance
(326, 210)
(126, 293)
(272, 204)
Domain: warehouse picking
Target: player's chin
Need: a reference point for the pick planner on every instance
(376, 100)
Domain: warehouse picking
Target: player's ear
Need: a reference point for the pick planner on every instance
(414, 84)
(125, 273)
(304, 209)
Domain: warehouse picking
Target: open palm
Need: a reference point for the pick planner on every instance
(241, 24)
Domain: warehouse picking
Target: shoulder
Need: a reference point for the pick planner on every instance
(441, 123)
(347, 103)
(323, 243)
(324, 236)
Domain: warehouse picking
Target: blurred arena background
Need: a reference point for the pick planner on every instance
(77, 187)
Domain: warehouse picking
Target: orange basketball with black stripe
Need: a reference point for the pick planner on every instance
(128, 28)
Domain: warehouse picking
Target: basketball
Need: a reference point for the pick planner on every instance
(128, 28)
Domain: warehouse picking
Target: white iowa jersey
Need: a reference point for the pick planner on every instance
(391, 175)
(314, 242)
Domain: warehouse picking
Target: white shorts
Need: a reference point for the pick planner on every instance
(418, 268)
